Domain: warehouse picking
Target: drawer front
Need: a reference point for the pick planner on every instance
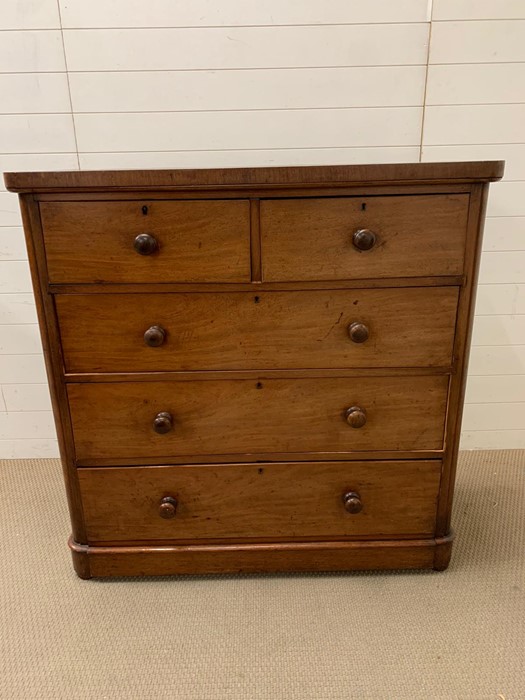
(411, 327)
(120, 420)
(270, 501)
(198, 241)
(413, 236)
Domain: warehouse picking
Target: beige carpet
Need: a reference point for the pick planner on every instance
(397, 636)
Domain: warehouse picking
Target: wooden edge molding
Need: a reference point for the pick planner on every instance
(285, 557)
(307, 176)
(254, 457)
(227, 287)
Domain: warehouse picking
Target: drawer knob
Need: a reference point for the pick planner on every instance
(146, 244)
(168, 507)
(355, 416)
(358, 332)
(163, 423)
(352, 502)
(364, 239)
(154, 336)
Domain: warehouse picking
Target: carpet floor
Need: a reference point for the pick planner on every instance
(459, 634)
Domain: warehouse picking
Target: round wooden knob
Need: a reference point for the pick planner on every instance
(364, 239)
(163, 422)
(168, 507)
(352, 502)
(145, 244)
(154, 336)
(358, 332)
(355, 417)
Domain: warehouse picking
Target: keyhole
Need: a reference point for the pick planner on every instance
(256, 299)
(144, 210)
(363, 206)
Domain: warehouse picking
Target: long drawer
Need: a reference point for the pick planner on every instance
(147, 241)
(139, 420)
(320, 500)
(407, 327)
(363, 237)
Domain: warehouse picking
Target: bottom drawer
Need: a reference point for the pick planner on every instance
(249, 502)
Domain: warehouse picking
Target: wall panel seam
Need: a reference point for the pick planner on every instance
(68, 83)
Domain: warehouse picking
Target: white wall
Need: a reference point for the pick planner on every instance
(162, 83)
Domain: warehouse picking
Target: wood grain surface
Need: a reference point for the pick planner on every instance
(275, 415)
(269, 501)
(312, 239)
(282, 330)
(150, 560)
(309, 176)
(206, 241)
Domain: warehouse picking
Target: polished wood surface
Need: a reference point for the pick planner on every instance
(242, 416)
(290, 344)
(262, 501)
(150, 560)
(325, 239)
(178, 241)
(228, 331)
(221, 178)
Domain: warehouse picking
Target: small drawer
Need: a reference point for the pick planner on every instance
(321, 500)
(404, 327)
(363, 237)
(147, 241)
(171, 420)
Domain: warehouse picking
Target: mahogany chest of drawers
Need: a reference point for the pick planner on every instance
(257, 369)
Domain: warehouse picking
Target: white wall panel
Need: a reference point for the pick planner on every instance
(9, 210)
(36, 133)
(504, 233)
(20, 338)
(12, 242)
(18, 425)
(29, 14)
(22, 369)
(246, 47)
(497, 389)
(26, 397)
(14, 276)
(26, 448)
(476, 83)
(34, 92)
(492, 440)
(507, 200)
(500, 416)
(247, 158)
(167, 13)
(494, 360)
(502, 267)
(478, 9)
(478, 42)
(377, 86)
(395, 126)
(497, 330)
(17, 308)
(474, 124)
(30, 52)
(497, 299)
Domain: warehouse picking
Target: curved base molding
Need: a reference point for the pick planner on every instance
(96, 562)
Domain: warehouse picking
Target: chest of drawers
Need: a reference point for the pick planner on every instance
(257, 369)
